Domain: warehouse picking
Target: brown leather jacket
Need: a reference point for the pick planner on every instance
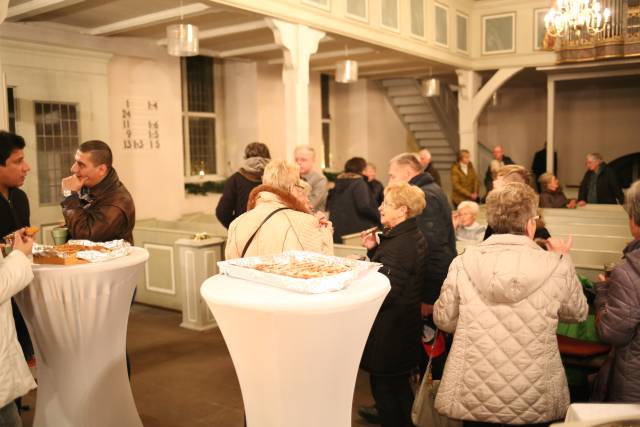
(102, 213)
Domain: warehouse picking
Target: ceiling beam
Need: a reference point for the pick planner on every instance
(331, 54)
(149, 19)
(33, 8)
(228, 30)
(362, 64)
(249, 50)
(415, 68)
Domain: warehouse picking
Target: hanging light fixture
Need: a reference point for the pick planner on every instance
(346, 69)
(430, 88)
(577, 17)
(182, 39)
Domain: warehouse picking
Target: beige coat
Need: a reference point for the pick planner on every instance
(286, 230)
(503, 298)
(15, 377)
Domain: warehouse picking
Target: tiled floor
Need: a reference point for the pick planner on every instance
(184, 378)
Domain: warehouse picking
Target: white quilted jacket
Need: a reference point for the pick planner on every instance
(503, 299)
(15, 377)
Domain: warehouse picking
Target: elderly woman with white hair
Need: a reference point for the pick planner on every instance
(503, 299)
(618, 311)
(464, 221)
(278, 218)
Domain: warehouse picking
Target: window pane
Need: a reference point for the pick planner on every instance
(54, 157)
(390, 13)
(357, 8)
(417, 17)
(462, 32)
(200, 84)
(325, 81)
(202, 145)
(326, 141)
(441, 26)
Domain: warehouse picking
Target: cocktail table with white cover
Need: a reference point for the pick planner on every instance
(296, 355)
(77, 316)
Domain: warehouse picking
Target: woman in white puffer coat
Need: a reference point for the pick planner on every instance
(15, 377)
(503, 300)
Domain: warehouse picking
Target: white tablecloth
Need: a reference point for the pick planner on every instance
(77, 317)
(599, 411)
(296, 355)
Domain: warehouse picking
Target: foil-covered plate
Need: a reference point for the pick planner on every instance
(299, 271)
(95, 252)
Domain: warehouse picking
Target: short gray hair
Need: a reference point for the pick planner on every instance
(407, 159)
(305, 148)
(473, 206)
(632, 202)
(510, 207)
(596, 156)
(545, 179)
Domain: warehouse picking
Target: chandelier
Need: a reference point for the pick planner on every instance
(576, 17)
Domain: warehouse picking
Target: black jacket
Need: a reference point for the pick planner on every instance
(377, 191)
(435, 223)
(14, 213)
(488, 179)
(351, 206)
(607, 187)
(235, 195)
(394, 345)
(431, 170)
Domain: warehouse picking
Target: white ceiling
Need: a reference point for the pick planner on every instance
(224, 32)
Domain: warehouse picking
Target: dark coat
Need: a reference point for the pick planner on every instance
(431, 170)
(607, 187)
(102, 213)
(235, 195)
(488, 179)
(351, 207)
(14, 213)
(618, 313)
(539, 164)
(553, 199)
(435, 223)
(394, 344)
(377, 191)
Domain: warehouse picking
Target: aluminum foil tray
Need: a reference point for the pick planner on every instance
(244, 268)
(117, 249)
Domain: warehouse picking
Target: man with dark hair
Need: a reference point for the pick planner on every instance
(14, 212)
(96, 205)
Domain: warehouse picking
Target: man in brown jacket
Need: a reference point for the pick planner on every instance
(96, 205)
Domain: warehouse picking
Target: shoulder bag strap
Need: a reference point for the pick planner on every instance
(246, 246)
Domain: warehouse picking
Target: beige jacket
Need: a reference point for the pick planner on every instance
(15, 377)
(503, 298)
(289, 229)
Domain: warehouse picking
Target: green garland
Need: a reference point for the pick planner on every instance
(203, 188)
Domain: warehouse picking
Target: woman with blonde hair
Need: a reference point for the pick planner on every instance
(393, 349)
(464, 180)
(503, 299)
(278, 218)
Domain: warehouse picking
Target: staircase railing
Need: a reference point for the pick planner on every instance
(445, 107)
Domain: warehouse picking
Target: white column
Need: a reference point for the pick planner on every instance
(468, 83)
(198, 260)
(551, 105)
(298, 43)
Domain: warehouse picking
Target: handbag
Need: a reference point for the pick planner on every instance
(246, 246)
(423, 412)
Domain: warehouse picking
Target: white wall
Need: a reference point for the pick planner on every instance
(47, 73)
(365, 125)
(591, 116)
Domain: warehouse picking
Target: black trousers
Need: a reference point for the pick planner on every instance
(394, 398)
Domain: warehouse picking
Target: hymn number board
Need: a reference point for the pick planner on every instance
(141, 124)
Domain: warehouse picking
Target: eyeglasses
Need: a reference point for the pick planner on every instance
(299, 187)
